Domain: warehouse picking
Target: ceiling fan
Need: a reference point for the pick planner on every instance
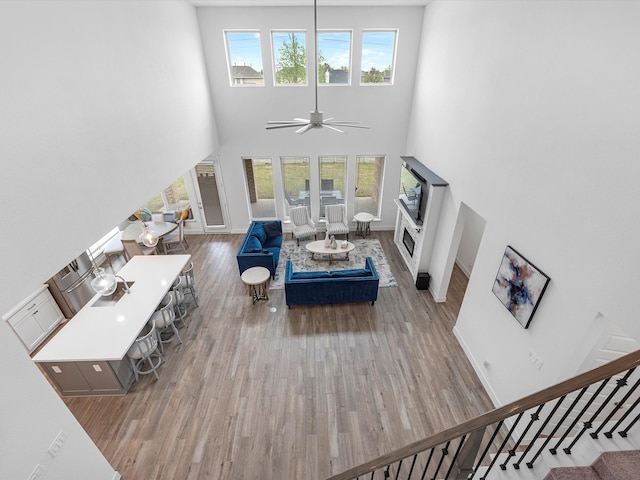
(316, 118)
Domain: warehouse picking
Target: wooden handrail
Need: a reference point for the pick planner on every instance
(614, 367)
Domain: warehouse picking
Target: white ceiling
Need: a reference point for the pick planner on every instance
(324, 3)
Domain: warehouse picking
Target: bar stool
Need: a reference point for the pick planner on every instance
(189, 283)
(164, 319)
(144, 348)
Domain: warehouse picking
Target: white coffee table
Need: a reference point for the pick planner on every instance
(318, 248)
(257, 278)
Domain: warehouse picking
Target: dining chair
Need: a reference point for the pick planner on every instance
(113, 248)
(176, 239)
(336, 221)
(302, 224)
(133, 248)
(145, 348)
(164, 319)
(326, 185)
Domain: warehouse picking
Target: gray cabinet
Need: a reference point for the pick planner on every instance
(90, 378)
(35, 318)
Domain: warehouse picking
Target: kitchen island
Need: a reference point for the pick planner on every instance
(88, 355)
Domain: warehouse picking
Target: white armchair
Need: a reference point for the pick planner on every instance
(302, 224)
(336, 220)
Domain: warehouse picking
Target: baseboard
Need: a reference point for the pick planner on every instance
(464, 269)
(478, 368)
(116, 476)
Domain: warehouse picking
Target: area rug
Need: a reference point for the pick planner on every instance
(302, 262)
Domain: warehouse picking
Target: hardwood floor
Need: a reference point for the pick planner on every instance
(299, 393)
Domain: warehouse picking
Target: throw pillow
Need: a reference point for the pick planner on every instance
(252, 245)
(272, 229)
(259, 232)
(348, 273)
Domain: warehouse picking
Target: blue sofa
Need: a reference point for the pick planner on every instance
(261, 246)
(338, 286)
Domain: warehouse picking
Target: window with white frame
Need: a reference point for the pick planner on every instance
(244, 57)
(333, 177)
(259, 177)
(369, 181)
(378, 57)
(289, 50)
(334, 57)
(295, 182)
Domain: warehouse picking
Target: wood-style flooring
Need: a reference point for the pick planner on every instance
(266, 392)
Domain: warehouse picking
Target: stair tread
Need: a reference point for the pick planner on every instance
(572, 473)
(620, 465)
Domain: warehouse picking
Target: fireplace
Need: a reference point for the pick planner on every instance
(408, 241)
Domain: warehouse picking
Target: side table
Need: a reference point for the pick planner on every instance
(257, 278)
(363, 223)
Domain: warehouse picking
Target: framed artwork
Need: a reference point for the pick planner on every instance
(519, 285)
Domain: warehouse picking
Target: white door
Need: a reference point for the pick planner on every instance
(210, 195)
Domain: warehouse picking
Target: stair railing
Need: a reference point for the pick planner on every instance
(605, 400)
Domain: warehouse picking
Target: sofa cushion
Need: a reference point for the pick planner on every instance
(307, 275)
(272, 229)
(259, 233)
(360, 272)
(252, 244)
(275, 242)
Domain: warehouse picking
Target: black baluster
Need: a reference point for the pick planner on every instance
(560, 423)
(504, 442)
(609, 434)
(445, 452)
(621, 382)
(486, 450)
(426, 467)
(399, 467)
(623, 433)
(534, 418)
(455, 456)
(577, 419)
(618, 406)
(413, 464)
(537, 435)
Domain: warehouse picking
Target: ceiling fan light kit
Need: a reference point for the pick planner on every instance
(316, 118)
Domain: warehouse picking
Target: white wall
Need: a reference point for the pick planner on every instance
(96, 98)
(529, 110)
(242, 113)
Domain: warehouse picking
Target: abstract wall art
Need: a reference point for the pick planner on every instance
(519, 285)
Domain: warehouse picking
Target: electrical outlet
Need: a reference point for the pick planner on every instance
(55, 447)
(535, 359)
(37, 473)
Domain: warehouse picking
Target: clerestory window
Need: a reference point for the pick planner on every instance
(378, 57)
(289, 50)
(244, 57)
(334, 57)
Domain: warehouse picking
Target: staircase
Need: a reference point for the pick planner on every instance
(582, 428)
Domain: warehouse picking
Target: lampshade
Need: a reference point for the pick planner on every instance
(148, 237)
(104, 283)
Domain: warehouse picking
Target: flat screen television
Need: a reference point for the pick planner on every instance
(413, 193)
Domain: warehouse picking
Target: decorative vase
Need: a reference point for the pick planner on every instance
(333, 243)
(327, 240)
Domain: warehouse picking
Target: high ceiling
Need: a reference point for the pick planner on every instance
(290, 3)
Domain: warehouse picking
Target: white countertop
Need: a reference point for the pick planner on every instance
(106, 332)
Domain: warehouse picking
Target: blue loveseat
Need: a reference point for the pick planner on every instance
(261, 246)
(338, 286)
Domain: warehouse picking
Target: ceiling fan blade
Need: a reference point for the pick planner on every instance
(333, 128)
(348, 124)
(286, 122)
(288, 125)
(307, 127)
(303, 120)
